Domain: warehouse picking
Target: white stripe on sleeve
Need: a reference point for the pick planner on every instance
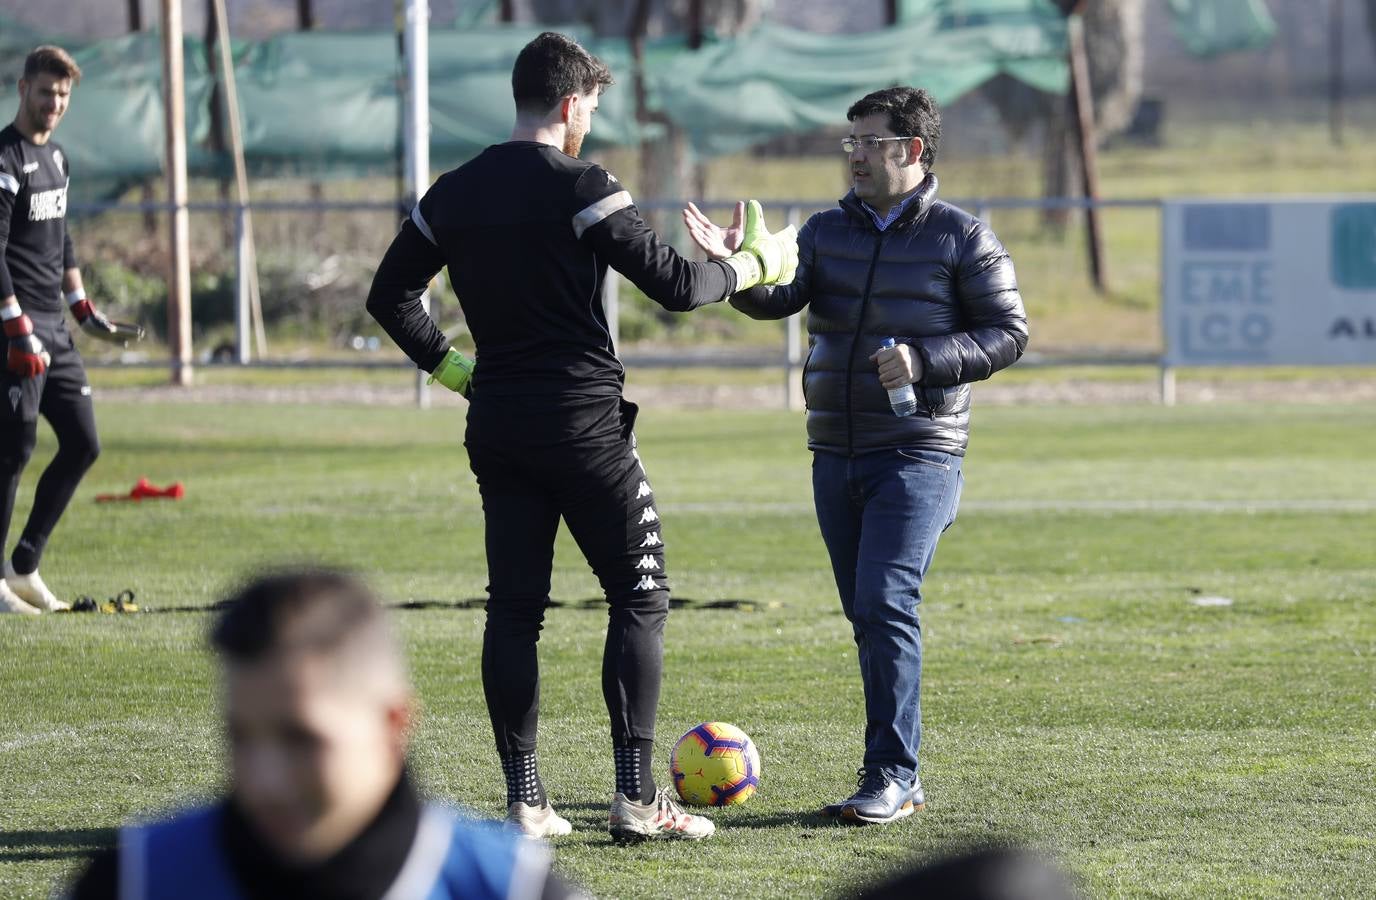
(425, 861)
(423, 225)
(530, 870)
(9, 183)
(133, 859)
(599, 211)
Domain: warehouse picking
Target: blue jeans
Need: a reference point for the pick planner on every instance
(881, 515)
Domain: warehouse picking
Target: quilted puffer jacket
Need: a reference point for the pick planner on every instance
(937, 279)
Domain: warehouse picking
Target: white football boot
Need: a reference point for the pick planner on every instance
(660, 819)
(33, 591)
(10, 602)
(537, 821)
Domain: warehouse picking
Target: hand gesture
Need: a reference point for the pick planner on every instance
(715, 241)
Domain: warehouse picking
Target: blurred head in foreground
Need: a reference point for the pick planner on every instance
(318, 708)
(986, 874)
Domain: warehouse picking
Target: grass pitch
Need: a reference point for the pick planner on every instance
(1076, 698)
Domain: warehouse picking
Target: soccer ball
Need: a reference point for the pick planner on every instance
(715, 764)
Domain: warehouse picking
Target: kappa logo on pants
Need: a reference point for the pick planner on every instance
(651, 539)
(643, 490)
(647, 562)
(647, 584)
(648, 514)
(15, 394)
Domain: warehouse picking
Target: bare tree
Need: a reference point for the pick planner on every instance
(1114, 44)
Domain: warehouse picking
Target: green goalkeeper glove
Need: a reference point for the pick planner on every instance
(763, 258)
(455, 372)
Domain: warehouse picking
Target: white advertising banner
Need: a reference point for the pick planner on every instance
(1269, 282)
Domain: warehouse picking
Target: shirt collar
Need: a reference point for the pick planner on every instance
(884, 221)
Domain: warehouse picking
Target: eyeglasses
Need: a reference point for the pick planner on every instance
(869, 142)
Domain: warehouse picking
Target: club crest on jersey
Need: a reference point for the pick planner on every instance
(57, 158)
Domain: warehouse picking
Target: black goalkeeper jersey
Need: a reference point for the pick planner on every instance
(528, 233)
(35, 247)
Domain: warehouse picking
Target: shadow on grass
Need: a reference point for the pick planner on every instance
(67, 843)
(589, 604)
(797, 819)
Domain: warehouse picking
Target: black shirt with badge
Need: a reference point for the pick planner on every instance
(528, 234)
(35, 246)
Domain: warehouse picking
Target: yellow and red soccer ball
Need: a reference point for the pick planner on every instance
(715, 764)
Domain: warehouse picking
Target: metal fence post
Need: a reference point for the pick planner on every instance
(793, 344)
(1167, 385)
(242, 322)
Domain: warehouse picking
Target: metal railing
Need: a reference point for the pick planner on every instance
(790, 358)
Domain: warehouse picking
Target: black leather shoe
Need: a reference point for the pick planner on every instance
(832, 810)
(881, 798)
(919, 798)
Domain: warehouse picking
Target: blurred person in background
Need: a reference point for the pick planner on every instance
(891, 261)
(528, 231)
(39, 277)
(318, 713)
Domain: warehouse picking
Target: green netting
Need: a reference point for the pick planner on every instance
(1212, 27)
(1207, 27)
(322, 103)
(777, 80)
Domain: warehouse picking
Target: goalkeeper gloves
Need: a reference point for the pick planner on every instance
(455, 372)
(26, 357)
(94, 323)
(763, 258)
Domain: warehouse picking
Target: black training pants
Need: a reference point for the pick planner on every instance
(577, 461)
(63, 397)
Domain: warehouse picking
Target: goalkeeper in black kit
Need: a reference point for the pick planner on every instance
(528, 232)
(43, 370)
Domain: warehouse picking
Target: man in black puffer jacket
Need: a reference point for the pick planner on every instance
(890, 261)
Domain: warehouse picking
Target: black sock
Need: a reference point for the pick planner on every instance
(634, 770)
(24, 560)
(522, 779)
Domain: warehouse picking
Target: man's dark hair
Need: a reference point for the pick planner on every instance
(550, 68)
(51, 60)
(912, 112)
(315, 611)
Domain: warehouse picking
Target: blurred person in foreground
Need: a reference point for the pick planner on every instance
(986, 874)
(318, 712)
(528, 231)
(891, 261)
(39, 278)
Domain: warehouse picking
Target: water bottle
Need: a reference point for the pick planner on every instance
(902, 400)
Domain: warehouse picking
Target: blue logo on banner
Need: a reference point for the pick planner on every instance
(1354, 246)
(1228, 227)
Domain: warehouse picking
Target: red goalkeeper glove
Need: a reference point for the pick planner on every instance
(94, 323)
(27, 357)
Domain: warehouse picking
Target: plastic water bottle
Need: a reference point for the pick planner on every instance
(902, 400)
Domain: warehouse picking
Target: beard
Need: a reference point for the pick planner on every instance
(573, 141)
(36, 118)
